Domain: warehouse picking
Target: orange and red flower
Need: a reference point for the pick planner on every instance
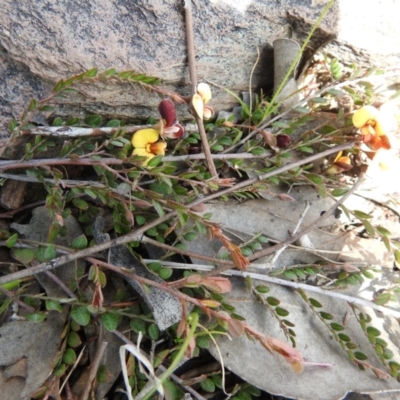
(374, 126)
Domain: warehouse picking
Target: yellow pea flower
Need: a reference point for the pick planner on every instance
(146, 144)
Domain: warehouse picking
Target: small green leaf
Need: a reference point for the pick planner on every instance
(36, 317)
(288, 323)
(12, 240)
(257, 151)
(388, 354)
(207, 385)
(361, 215)
(306, 149)
(80, 315)
(58, 86)
(379, 350)
(290, 274)
(326, 315)
(386, 242)
(24, 256)
(158, 207)
(110, 320)
(397, 255)
(336, 327)
(344, 337)
(314, 302)
(383, 231)
(154, 161)
(203, 341)
(50, 252)
(12, 125)
(69, 356)
(60, 371)
(165, 273)
(381, 342)
(79, 242)
(272, 301)
(138, 325)
(339, 192)
(110, 72)
(153, 331)
(81, 204)
(140, 219)
(74, 340)
(190, 236)
(368, 227)
(314, 178)
(93, 120)
(382, 298)
(46, 108)
(262, 289)
(367, 274)
(91, 73)
(373, 331)
(113, 123)
(360, 356)
(103, 375)
(281, 312)
(52, 305)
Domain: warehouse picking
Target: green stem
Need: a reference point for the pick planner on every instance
(194, 322)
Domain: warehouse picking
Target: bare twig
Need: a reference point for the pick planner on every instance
(267, 278)
(13, 164)
(60, 283)
(193, 81)
(164, 246)
(93, 369)
(281, 250)
(13, 297)
(75, 131)
(316, 289)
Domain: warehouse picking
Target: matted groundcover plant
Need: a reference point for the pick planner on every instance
(130, 252)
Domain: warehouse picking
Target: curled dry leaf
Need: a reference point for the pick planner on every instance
(142, 204)
(194, 279)
(199, 207)
(235, 328)
(217, 284)
(349, 268)
(289, 353)
(380, 374)
(270, 139)
(285, 197)
(240, 261)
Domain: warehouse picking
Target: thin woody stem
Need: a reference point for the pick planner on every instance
(193, 81)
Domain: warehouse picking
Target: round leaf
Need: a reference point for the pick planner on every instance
(110, 321)
(80, 242)
(153, 331)
(80, 315)
(74, 340)
(69, 356)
